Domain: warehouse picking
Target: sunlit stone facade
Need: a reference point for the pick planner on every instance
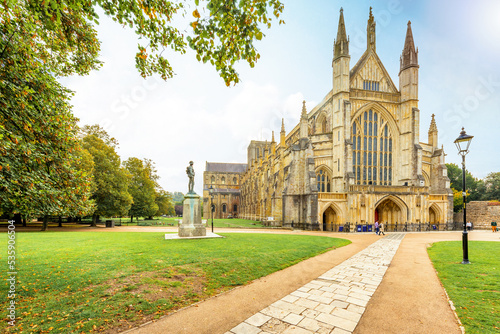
(355, 157)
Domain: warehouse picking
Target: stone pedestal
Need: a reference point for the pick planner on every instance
(191, 225)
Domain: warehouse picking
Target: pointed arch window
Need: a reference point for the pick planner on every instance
(323, 181)
(235, 180)
(372, 149)
(321, 124)
(223, 180)
(212, 179)
(371, 85)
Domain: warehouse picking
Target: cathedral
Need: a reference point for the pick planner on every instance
(355, 158)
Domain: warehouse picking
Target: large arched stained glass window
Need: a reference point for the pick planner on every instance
(372, 149)
(323, 181)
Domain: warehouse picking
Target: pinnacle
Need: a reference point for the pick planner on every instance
(433, 126)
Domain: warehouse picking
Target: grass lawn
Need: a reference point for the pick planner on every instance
(218, 223)
(235, 222)
(85, 282)
(160, 221)
(474, 288)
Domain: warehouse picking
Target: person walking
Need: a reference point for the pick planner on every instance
(376, 228)
(381, 229)
(494, 226)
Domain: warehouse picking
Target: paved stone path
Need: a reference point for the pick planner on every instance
(332, 303)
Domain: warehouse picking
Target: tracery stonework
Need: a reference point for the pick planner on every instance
(356, 157)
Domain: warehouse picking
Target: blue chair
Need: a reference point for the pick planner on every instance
(370, 228)
(359, 228)
(341, 228)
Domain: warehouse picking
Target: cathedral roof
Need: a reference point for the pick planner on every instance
(225, 167)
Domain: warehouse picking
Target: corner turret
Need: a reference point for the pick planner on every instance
(341, 44)
(341, 58)
(408, 74)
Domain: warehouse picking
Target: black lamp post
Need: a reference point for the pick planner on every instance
(212, 209)
(463, 142)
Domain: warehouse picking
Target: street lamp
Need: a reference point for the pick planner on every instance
(463, 142)
(211, 191)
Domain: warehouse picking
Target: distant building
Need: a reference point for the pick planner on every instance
(225, 179)
(355, 157)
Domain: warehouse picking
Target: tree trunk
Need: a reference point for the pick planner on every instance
(60, 221)
(95, 218)
(17, 219)
(131, 219)
(24, 221)
(45, 223)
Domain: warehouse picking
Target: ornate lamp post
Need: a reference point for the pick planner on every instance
(463, 142)
(212, 209)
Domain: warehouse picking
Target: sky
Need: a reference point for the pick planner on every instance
(194, 116)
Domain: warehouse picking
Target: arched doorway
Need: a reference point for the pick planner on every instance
(433, 216)
(390, 213)
(329, 219)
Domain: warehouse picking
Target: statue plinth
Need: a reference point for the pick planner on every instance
(191, 225)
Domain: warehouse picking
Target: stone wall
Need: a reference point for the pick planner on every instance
(480, 213)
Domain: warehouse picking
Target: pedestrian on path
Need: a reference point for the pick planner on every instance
(494, 226)
(376, 228)
(381, 229)
(469, 225)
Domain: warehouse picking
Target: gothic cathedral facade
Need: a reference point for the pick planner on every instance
(354, 158)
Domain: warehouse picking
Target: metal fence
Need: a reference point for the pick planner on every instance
(394, 227)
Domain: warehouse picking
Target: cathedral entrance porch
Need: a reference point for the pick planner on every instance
(392, 212)
(330, 219)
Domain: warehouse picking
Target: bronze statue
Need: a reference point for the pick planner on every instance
(190, 174)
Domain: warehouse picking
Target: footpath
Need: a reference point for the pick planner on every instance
(332, 303)
(374, 285)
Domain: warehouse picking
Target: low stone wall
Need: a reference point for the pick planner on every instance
(480, 213)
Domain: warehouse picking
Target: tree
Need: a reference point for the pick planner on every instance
(179, 209)
(142, 187)
(164, 202)
(475, 186)
(492, 187)
(40, 155)
(39, 151)
(178, 197)
(110, 186)
(64, 36)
